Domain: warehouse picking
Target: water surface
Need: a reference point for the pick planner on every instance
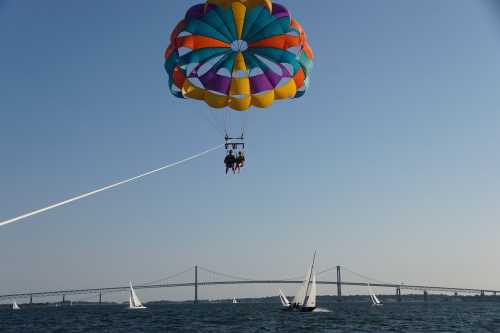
(466, 317)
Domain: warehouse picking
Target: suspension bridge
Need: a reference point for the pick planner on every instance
(197, 283)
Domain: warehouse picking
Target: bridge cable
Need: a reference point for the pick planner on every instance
(234, 277)
(173, 276)
(108, 187)
(295, 278)
(367, 278)
(326, 270)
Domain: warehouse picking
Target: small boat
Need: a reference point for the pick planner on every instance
(373, 297)
(305, 300)
(235, 301)
(133, 300)
(15, 306)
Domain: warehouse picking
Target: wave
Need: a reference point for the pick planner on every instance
(321, 310)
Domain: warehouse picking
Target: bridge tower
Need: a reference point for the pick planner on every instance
(426, 296)
(100, 297)
(339, 284)
(398, 294)
(196, 284)
(31, 299)
(64, 299)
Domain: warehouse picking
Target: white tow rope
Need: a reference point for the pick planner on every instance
(65, 202)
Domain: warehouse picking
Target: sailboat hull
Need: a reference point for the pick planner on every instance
(307, 309)
(299, 308)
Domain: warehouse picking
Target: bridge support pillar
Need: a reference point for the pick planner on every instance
(426, 296)
(64, 299)
(196, 284)
(31, 299)
(398, 294)
(494, 293)
(456, 293)
(339, 284)
(100, 298)
(482, 293)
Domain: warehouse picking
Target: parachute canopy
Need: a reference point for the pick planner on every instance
(238, 53)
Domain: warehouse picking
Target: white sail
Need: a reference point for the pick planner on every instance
(283, 299)
(300, 298)
(235, 301)
(311, 300)
(305, 299)
(373, 297)
(134, 301)
(15, 306)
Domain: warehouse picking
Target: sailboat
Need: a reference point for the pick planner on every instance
(373, 297)
(305, 300)
(15, 306)
(133, 300)
(235, 301)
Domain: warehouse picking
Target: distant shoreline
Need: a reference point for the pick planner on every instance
(410, 298)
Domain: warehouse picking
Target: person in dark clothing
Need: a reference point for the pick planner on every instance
(239, 161)
(230, 161)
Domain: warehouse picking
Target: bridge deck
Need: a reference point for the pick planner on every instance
(243, 282)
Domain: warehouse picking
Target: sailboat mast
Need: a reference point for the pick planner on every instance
(309, 281)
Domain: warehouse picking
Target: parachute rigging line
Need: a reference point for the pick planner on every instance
(109, 187)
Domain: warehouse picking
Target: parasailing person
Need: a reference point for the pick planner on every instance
(238, 54)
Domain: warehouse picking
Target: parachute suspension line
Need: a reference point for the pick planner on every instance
(108, 187)
(212, 120)
(227, 122)
(244, 124)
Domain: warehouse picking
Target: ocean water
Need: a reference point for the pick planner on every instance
(467, 317)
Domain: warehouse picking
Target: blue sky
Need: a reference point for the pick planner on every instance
(389, 165)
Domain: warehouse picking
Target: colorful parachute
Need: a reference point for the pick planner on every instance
(238, 53)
